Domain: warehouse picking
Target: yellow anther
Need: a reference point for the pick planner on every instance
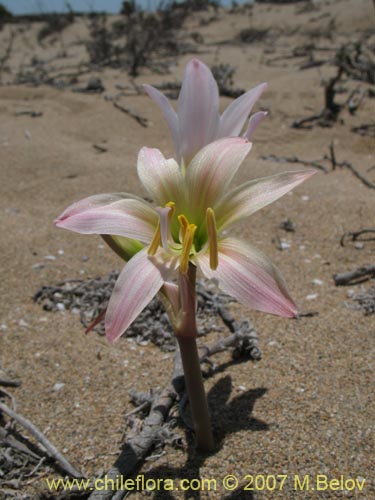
(212, 238)
(187, 243)
(156, 240)
(171, 205)
(184, 223)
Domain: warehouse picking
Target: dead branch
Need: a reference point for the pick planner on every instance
(8, 439)
(6, 382)
(328, 115)
(357, 236)
(7, 52)
(140, 119)
(294, 159)
(42, 439)
(315, 164)
(367, 129)
(332, 155)
(137, 448)
(99, 148)
(29, 112)
(360, 275)
(358, 174)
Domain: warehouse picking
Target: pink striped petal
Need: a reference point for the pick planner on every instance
(162, 178)
(138, 283)
(254, 195)
(254, 121)
(212, 169)
(198, 109)
(250, 277)
(114, 214)
(168, 112)
(235, 115)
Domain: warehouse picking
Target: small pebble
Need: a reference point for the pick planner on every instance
(284, 245)
(50, 257)
(60, 252)
(58, 386)
(311, 296)
(23, 323)
(3, 327)
(38, 266)
(358, 245)
(60, 306)
(85, 258)
(302, 247)
(305, 198)
(317, 281)
(274, 343)
(242, 388)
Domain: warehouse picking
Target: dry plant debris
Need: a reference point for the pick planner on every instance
(364, 301)
(89, 299)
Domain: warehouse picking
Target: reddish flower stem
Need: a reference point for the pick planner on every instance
(186, 336)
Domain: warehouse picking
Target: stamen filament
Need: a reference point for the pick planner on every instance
(165, 217)
(187, 243)
(212, 238)
(156, 240)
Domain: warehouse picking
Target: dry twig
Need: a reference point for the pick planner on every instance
(294, 159)
(360, 275)
(42, 439)
(140, 119)
(358, 236)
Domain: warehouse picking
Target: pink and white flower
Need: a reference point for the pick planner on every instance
(194, 207)
(197, 121)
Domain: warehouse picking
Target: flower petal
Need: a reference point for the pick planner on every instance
(198, 109)
(254, 195)
(116, 214)
(250, 277)
(138, 283)
(162, 178)
(168, 112)
(235, 115)
(212, 169)
(254, 121)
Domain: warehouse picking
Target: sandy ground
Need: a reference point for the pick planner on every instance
(308, 406)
